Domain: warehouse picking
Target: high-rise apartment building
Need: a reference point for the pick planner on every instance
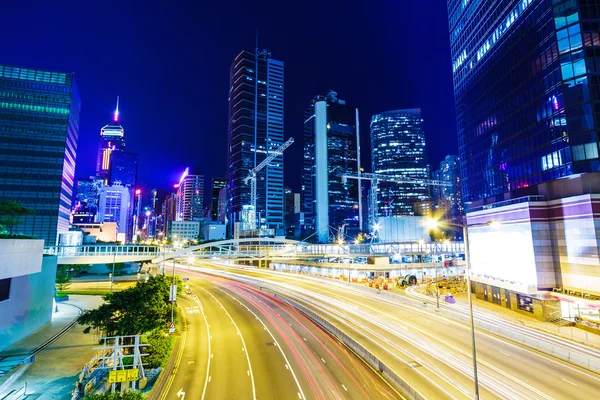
(190, 197)
(217, 185)
(39, 124)
(331, 146)
(398, 148)
(527, 94)
(255, 130)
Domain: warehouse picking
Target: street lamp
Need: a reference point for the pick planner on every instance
(432, 223)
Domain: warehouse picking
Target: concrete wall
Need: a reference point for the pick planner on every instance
(20, 257)
(29, 306)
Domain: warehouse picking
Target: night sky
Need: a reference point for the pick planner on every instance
(169, 63)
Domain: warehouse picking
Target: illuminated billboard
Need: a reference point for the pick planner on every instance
(504, 253)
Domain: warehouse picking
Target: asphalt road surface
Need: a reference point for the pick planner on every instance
(243, 343)
(430, 351)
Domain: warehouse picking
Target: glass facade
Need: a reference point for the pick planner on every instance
(190, 198)
(527, 93)
(217, 185)
(398, 148)
(339, 123)
(449, 172)
(255, 129)
(39, 124)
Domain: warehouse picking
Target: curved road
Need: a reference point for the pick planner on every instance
(243, 343)
(430, 351)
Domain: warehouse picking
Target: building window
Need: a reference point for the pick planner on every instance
(4, 289)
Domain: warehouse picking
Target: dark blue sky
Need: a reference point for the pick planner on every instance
(169, 63)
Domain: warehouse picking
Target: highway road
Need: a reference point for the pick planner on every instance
(428, 350)
(243, 343)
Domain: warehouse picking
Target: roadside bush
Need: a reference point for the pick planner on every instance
(131, 395)
(159, 349)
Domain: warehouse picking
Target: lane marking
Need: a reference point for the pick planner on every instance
(568, 381)
(301, 392)
(242, 339)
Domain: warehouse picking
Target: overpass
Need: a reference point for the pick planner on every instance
(282, 249)
(246, 249)
(103, 253)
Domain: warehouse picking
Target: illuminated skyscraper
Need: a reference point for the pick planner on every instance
(190, 197)
(527, 100)
(330, 149)
(255, 130)
(112, 138)
(39, 123)
(398, 148)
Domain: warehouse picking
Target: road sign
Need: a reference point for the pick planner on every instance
(123, 375)
(186, 279)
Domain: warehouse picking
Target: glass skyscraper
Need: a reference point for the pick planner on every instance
(527, 93)
(398, 148)
(255, 130)
(190, 197)
(39, 124)
(329, 202)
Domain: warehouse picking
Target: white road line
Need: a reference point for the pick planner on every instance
(197, 300)
(300, 393)
(344, 388)
(243, 343)
(568, 381)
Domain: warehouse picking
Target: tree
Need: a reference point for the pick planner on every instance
(11, 213)
(138, 309)
(63, 277)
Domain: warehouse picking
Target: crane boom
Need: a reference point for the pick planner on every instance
(252, 174)
(376, 178)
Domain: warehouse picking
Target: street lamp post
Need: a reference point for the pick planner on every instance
(470, 296)
(432, 224)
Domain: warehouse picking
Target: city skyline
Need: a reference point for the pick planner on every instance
(372, 86)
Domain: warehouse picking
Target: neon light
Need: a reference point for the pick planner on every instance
(185, 173)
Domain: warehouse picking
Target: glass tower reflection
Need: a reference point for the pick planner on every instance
(526, 91)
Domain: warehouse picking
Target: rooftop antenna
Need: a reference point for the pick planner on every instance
(117, 110)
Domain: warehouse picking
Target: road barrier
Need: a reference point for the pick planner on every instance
(389, 374)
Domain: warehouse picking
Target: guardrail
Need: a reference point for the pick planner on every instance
(388, 373)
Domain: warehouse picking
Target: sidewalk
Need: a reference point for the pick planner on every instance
(53, 373)
(567, 332)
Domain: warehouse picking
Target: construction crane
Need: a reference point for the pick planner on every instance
(252, 175)
(375, 178)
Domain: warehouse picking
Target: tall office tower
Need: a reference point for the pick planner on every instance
(527, 94)
(113, 207)
(217, 185)
(331, 144)
(398, 148)
(190, 197)
(112, 137)
(86, 206)
(450, 172)
(39, 123)
(255, 130)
